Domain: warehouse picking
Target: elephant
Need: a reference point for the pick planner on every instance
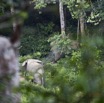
(54, 56)
(56, 53)
(36, 67)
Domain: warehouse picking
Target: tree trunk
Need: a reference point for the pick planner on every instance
(82, 24)
(57, 52)
(62, 19)
(14, 22)
(78, 29)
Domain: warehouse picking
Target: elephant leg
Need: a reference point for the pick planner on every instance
(38, 78)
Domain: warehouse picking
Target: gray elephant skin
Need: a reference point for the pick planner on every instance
(36, 67)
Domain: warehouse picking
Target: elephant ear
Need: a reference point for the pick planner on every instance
(24, 64)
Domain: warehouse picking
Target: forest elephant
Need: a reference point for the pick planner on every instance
(36, 68)
(56, 54)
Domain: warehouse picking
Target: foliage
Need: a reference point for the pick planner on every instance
(37, 38)
(42, 3)
(76, 7)
(62, 43)
(36, 55)
(97, 12)
(75, 79)
(90, 78)
(78, 79)
(55, 91)
(92, 10)
(39, 4)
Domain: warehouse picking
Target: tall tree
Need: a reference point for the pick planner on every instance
(83, 5)
(43, 3)
(62, 18)
(12, 12)
(54, 48)
(77, 9)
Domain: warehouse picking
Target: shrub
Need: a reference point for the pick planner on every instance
(35, 39)
(78, 79)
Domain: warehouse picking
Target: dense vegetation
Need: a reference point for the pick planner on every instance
(79, 76)
(75, 79)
